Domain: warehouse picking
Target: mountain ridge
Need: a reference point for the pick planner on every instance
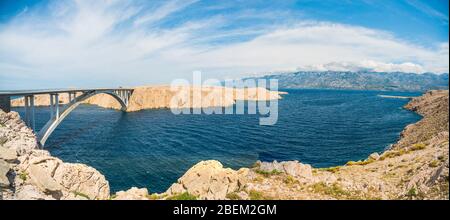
(359, 80)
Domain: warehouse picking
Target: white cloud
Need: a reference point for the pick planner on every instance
(366, 65)
(109, 43)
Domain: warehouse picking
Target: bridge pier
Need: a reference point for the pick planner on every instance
(29, 111)
(5, 103)
(54, 105)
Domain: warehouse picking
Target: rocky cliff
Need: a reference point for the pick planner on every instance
(152, 97)
(417, 167)
(27, 172)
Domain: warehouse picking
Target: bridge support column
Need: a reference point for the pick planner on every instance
(29, 111)
(5, 103)
(57, 105)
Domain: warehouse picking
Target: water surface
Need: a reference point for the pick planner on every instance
(153, 148)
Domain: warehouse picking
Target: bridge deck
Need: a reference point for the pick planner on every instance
(49, 91)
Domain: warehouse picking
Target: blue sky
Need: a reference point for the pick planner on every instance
(108, 43)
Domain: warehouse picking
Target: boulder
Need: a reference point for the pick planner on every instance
(41, 176)
(209, 180)
(374, 156)
(7, 154)
(4, 169)
(64, 180)
(293, 168)
(31, 192)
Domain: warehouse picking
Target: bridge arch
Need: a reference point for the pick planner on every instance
(53, 123)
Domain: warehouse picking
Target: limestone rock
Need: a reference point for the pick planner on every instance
(63, 180)
(132, 194)
(31, 192)
(42, 178)
(7, 154)
(4, 169)
(374, 156)
(209, 180)
(293, 168)
(15, 135)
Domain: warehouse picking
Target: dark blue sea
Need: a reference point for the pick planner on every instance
(153, 148)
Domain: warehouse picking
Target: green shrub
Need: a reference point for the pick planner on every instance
(81, 194)
(353, 163)
(266, 173)
(391, 154)
(255, 195)
(330, 169)
(411, 193)
(289, 180)
(182, 196)
(154, 196)
(434, 163)
(23, 176)
(233, 196)
(332, 190)
(418, 146)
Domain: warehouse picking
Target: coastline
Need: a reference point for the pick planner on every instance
(369, 179)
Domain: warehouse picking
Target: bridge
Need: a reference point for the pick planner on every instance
(57, 113)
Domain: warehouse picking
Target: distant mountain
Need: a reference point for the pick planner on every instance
(395, 81)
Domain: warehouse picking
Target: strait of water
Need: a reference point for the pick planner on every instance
(153, 148)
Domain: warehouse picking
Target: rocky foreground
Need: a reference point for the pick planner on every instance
(154, 97)
(417, 167)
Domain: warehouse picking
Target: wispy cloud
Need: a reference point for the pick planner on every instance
(428, 10)
(163, 11)
(104, 43)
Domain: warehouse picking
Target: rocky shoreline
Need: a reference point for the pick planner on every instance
(416, 167)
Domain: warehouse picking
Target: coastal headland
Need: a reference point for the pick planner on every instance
(416, 167)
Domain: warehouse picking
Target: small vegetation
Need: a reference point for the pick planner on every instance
(332, 190)
(23, 176)
(182, 196)
(434, 163)
(266, 173)
(391, 154)
(330, 169)
(413, 193)
(256, 195)
(76, 193)
(154, 196)
(112, 197)
(418, 146)
(233, 196)
(365, 162)
(290, 180)
(258, 179)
